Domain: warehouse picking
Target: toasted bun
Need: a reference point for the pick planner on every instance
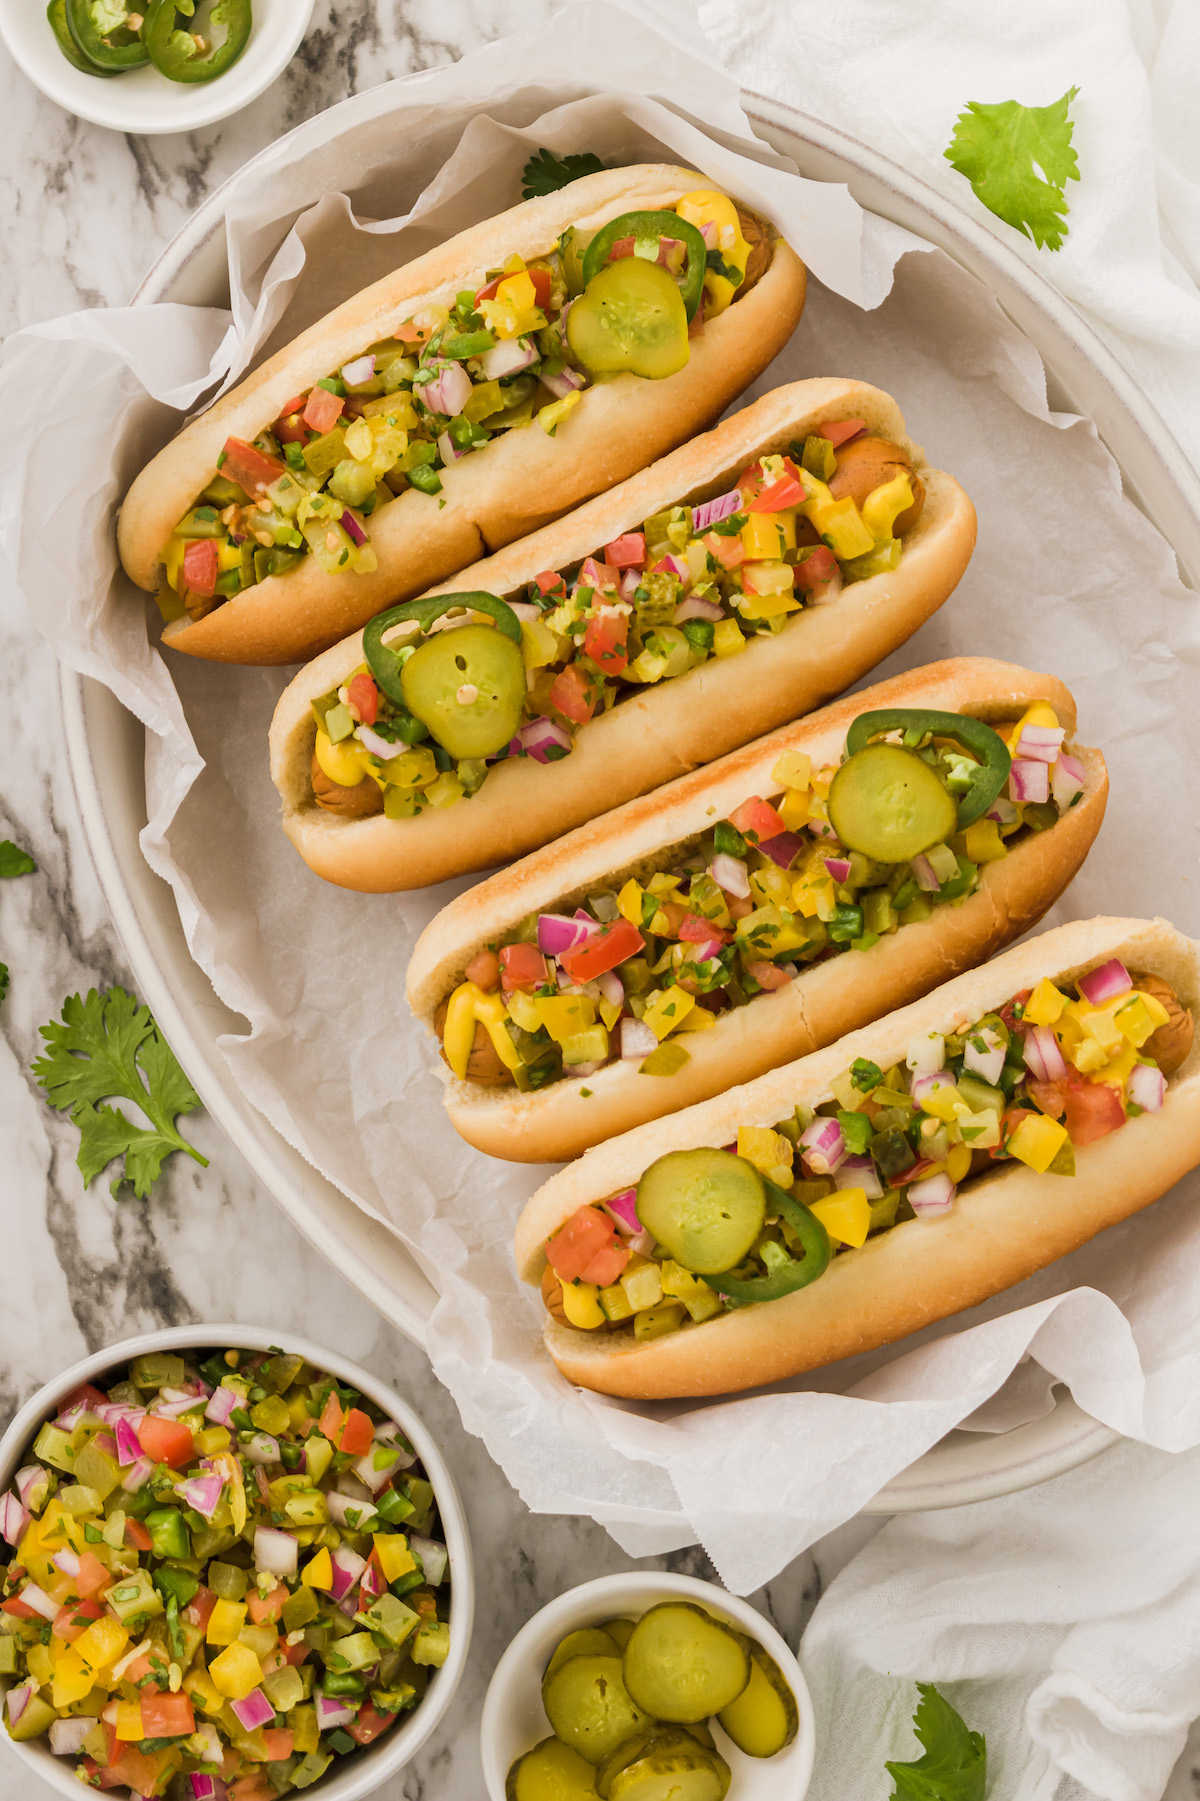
(1004, 1226)
(826, 999)
(655, 734)
(511, 486)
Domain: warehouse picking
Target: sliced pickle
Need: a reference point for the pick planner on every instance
(551, 1772)
(589, 1707)
(702, 1733)
(887, 803)
(618, 1629)
(764, 1718)
(682, 1665)
(705, 1207)
(592, 1641)
(683, 1773)
(655, 1737)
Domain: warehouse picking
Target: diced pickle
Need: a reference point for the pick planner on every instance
(552, 1771)
(592, 1641)
(764, 1718)
(589, 1708)
(682, 1665)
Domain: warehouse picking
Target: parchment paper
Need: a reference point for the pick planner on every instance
(1068, 576)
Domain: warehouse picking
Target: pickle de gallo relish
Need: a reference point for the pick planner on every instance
(706, 1231)
(521, 345)
(840, 858)
(224, 1576)
(696, 582)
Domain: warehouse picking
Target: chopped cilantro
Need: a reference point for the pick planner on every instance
(545, 173)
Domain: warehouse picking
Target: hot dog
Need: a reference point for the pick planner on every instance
(480, 391)
(901, 1175)
(651, 631)
(707, 933)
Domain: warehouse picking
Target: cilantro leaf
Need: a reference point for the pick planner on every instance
(108, 1045)
(1018, 159)
(14, 860)
(3, 981)
(954, 1767)
(545, 173)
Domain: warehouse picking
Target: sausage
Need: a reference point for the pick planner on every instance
(358, 802)
(864, 464)
(758, 236)
(483, 1065)
(552, 1294)
(1171, 1043)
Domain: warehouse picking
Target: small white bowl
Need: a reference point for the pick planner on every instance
(363, 1772)
(514, 1720)
(142, 100)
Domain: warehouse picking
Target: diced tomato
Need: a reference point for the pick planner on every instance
(137, 1537)
(840, 431)
(542, 283)
(819, 566)
(768, 975)
(623, 247)
(606, 642)
(92, 1575)
(369, 1724)
(788, 491)
(1093, 1110)
(408, 333)
(607, 1265)
(252, 469)
(627, 552)
(357, 1434)
(574, 694)
(73, 1620)
(200, 566)
(595, 575)
(550, 582)
(695, 929)
(1050, 1097)
(20, 1610)
(757, 820)
(100, 1778)
(278, 1744)
(575, 1244)
(166, 1441)
(294, 405)
(488, 291)
(255, 1787)
(364, 695)
(729, 552)
(521, 966)
(91, 1398)
(611, 945)
(294, 1654)
(268, 1607)
(199, 1609)
(137, 1671)
(1006, 1013)
(484, 970)
(135, 1769)
(167, 1716)
(332, 1416)
(322, 410)
(291, 430)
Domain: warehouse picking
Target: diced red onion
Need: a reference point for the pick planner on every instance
(731, 874)
(508, 357)
(1106, 983)
(67, 1736)
(838, 867)
(1040, 742)
(628, 584)
(541, 736)
(378, 747)
(39, 1600)
(275, 1551)
(353, 530)
(340, 1506)
(67, 1561)
(360, 370)
(373, 1584)
(1043, 1056)
(611, 987)
(711, 512)
(623, 1208)
(33, 1485)
(556, 934)
(637, 1039)
(526, 610)
(449, 391)
(706, 949)
(562, 322)
(331, 1711)
(696, 607)
(262, 1448)
(1066, 781)
(221, 1404)
(674, 565)
(567, 381)
(821, 828)
(377, 1479)
(1147, 1087)
(129, 1447)
(434, 1558)
(584, 1069)
(670, 254)
(208, 1788)
(449, 450)
(348, 1567)
(931, 1197)
(203, 1493)
(921, 1087)
(595, 575)
(859, 1172)
(1002, 811)
(1029, 781)
(67, 1422)
(175, 1410)
(783, 848)
(923, 870)
(104, 1441)
(987, 1063)
(14, 1518)
(709, 234)
(17, 1700)
(824, 1146)
(137, 1475)
(253, 1710)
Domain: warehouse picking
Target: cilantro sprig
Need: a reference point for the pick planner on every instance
(106, 1046)
(954, 1767)
(1019, 159)
(545, 173)
(13, 862)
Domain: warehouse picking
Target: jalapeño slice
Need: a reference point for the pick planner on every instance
(208, 42)
(107, 51)
(647, 231)
(788, 1274)
(973, 735)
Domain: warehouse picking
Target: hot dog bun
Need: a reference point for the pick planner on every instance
(654, 734)
(1002, 1228)
(827, 998)
(511, 486)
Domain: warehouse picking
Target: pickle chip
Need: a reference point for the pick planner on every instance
(686, 1773)
(705, 1207)
(589, 1707)
(467, 686)
(591, 1641)
(617, 1629)
(887, 803)
(764, 1718)
(552, 1771)
(658, 1742)
(682, 1665)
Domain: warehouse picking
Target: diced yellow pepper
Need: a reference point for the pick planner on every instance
(517, 290)
(983, 841)
(522, 1010)
(884, 505)
(1037, 1141)
(581, 1304)
(958, 1159)
(610, 1013)
(727, 639)
(129, 1722)
(661, 882)
(629, 902)
(813, 893)
(318, 1572)
(981, 1131)
(539, 645)
(199, 1685)
(172, 555)
(765, 536)
(700, 1300)
(212, 1440)
(698, 1020)
(395, 1558)
(564, 1015)
(1045, 1004)
(666, 1009)
(551, 417)
(306, 1734)
(318, 1453)
(72, 1679)
(793, 769)
(236, 1672)
(1140, 1018)
(225, 1622)
(767, 1150)
(102, 1643)
(39, 1662)
(846, 1215)
(1098, 1023)
(943, 1103)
